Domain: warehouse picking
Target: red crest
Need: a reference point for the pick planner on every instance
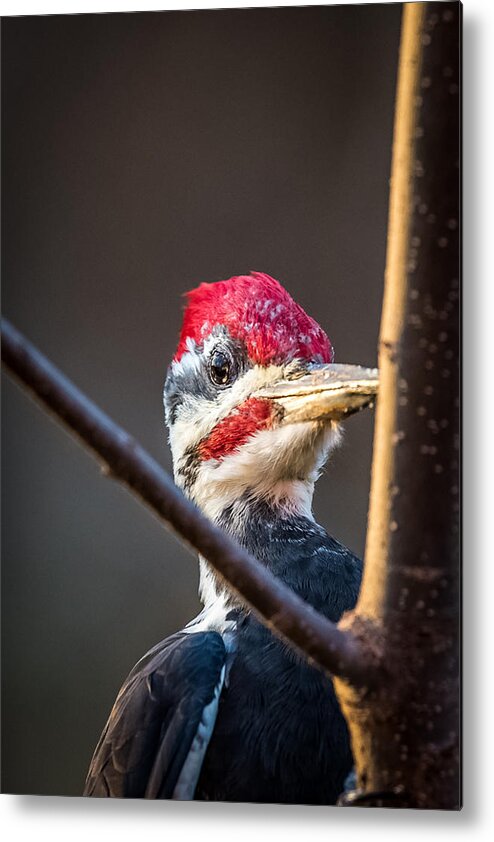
(257, 310)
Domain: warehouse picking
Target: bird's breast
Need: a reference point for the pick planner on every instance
(279, 736)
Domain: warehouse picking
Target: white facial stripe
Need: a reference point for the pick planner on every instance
(189, 362)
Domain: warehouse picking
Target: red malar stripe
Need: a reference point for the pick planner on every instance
(252, 415)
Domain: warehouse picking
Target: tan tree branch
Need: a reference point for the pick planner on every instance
(405, 732)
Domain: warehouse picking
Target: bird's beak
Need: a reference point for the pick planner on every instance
(327, 393)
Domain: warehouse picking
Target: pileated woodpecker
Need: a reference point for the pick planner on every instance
(224, 710)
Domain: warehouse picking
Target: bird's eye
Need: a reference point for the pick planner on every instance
(221, 368)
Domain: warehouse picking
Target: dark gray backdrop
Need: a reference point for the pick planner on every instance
(142, 154)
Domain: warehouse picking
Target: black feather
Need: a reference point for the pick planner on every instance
(155, 717)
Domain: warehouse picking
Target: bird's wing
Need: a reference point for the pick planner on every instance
(158, 731)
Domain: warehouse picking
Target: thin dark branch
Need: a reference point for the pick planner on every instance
(124, 459)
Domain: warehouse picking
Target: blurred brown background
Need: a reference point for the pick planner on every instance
(142, 154)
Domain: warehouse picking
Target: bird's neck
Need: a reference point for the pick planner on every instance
(287, 498)
(255, 522)
(230, 503)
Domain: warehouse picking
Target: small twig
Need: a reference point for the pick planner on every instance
(124, 459)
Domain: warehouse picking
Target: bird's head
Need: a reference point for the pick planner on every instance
(253, 401)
